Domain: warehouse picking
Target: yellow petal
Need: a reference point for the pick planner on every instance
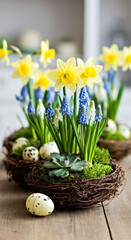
(114, 47)
(4, 45)
(61, 65)
(59, 85)
(90, 62)
(102, 57)
(80, 63)
(16, 74)
(25, 80)
(35, 85)
(72, 87)
(53, 74)
(98, 68)
(70, 63)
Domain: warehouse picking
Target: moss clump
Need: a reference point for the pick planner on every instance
(101, 156)
(101, 165)
(97, 170)
(113, 136)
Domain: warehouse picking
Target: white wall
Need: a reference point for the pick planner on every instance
(53, 18)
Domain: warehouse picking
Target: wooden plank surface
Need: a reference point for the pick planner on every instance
(17, 223)
(118, 212)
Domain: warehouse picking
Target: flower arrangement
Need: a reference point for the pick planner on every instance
(108, 94)
(60, 145)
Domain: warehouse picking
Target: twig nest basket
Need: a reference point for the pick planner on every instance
(77, 193)
(117, 149)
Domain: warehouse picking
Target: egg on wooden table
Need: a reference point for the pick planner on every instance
(47, 149)
(30, 153)
(19, 142)
(39, 204)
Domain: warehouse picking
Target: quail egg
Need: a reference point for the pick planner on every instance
(30, 153)
(47, 149)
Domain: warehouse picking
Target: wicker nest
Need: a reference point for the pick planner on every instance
(117, 149)
(17, 169)
(78, 193)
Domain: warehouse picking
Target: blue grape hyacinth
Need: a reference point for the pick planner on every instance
(49, 112)
(39, 94)
(84, 98)
(82, 118)
(65, 108)
(31, 109)
(98, 116)
(23, 94)
(50, 95)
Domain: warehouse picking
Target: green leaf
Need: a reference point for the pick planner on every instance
(76, 169)
(61, 173)
(48, 164)
(80, 163)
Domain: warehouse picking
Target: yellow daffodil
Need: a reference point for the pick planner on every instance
(126, 58)
(4, 52)
(25, 69)
(46, 53)
(41, 80)
(90, 72)
(111, 57)
(67, 74)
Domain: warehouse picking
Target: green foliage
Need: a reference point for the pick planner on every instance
(97, 170)
(87, 137)
(113, 136)
(23, 132)
(62, 165)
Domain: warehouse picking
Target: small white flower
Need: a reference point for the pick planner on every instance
(101, 94)
(114, 94)
(40, 109)
(57, 117)
(91, 112)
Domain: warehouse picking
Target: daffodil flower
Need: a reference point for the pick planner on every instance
(41, 80)
(90, 72)
(46, 53)
(24, 69)
(67, 74)
(4, 52)
(111, 57)
(126, 58)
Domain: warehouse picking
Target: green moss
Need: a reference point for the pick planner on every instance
(23, 132)
(113, 136)
(97, 170)
(18, 152)
(101, 156)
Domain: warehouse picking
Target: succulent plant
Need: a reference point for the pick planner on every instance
(62, 165)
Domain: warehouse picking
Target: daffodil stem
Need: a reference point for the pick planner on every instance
(75, 101)
(64, 91)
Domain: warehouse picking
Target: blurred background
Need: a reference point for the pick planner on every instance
(74, 28)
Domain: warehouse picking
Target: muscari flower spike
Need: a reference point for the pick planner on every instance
(65, 108)
(39, 94)
(31, 109)
(84, 98)
(57, 117)
(91, 113)
(40, 110)
(82, 118)
(49, 112)
(23, 94)
(50, 95)
(98, 116)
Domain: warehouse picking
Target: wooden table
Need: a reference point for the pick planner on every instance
(104, 223)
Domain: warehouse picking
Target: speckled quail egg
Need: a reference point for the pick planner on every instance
(30, 153)
(47, 149)
(19, 142)
(125, 131)
(111, 126)
(39, 204)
